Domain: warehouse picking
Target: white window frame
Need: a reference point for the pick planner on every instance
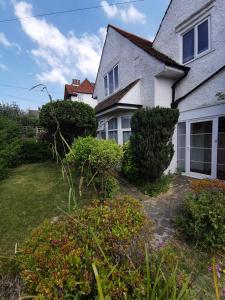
(124, 129)
(113, 130)
(195, 27)
(215, 128)
(106, 91)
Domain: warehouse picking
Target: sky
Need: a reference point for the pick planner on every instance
(52, 50)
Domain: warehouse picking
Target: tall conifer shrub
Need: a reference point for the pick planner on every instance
(151, 140)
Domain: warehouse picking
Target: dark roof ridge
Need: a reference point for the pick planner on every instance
(114, 98)
(147, 46)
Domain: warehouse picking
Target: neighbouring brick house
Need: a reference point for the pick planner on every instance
(80, 91)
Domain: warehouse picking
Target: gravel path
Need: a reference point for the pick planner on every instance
(164, 208)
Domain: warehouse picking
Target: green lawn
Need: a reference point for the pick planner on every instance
(31, 194)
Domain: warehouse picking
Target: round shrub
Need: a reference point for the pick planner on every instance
(56, 262)
(97, 160)
(203, 219)
(74, 119)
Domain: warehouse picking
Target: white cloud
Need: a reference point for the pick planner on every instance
(3, 67)
(60, 56)
(130, 15)
(5, 42)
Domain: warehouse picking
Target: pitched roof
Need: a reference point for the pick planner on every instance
(115, 98)
(86, 87)
(147, 46)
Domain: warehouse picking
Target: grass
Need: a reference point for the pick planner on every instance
(196, 262)
(157, 187)
(31, 194)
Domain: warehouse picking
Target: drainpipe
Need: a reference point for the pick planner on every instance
(173, 104)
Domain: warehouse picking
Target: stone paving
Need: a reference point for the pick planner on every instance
(164, 208)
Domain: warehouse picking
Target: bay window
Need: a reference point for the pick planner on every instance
(113, 129)
(111, 81)
(195, 42)
(126, 128)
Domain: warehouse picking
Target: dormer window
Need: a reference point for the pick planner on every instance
(111, 81)
(195, 42)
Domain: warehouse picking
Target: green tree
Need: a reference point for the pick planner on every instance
(73, 118)
(151, 140)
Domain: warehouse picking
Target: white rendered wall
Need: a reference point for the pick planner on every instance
(169, 41)
(86, 98)
(163, 92)
(133, 64)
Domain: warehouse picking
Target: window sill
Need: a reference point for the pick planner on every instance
(199, 56)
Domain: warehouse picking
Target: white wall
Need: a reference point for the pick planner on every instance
(133, 64)
(163, 92)
(169, 41)
(86, 98)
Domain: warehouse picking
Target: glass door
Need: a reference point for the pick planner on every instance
(221, 149)
(201, 147)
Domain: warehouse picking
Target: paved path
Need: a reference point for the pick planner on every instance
(164, 208)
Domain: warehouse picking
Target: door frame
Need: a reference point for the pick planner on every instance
(214, 148)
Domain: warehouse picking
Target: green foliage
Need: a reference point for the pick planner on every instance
(203, 219)
(128, 167)
(57, 261)
(97, 160)
(33, 152)
(151, 144)
(74, 118)
(10, 130)
(111, 187)
(22, 151)
(158, 186)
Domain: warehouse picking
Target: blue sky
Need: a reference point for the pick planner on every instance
(54, 49)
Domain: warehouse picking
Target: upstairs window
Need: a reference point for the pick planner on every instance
(111, 81)
(196, 41)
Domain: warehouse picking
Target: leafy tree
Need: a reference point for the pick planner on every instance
(73, 118)
(151, 140)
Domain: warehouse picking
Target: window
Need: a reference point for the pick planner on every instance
(112, 129)
(181, 146)
(188, 46)
(111, 81)
(101, 134)
(126, 128)
(195, 41)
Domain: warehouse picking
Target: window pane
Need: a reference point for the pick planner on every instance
(113, 135)
(221, 150)
(126, 136)
(181, 146)
(106, 85)
(126, 122)
(116, 77)
(203, 37)
(112, 124)
(111, 85)
(188, 46)
(201, 147)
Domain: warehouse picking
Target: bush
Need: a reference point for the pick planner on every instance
(57, 261)
(128, 167)
(20, 152)
(203, 218)
(151, 140)
(74, 118)
(32, 151)
(207, 184)
(96, 160)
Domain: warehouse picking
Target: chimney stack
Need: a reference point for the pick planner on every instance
(76, 82)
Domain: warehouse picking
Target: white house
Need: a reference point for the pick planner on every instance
(184, 67)
(82, 92)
